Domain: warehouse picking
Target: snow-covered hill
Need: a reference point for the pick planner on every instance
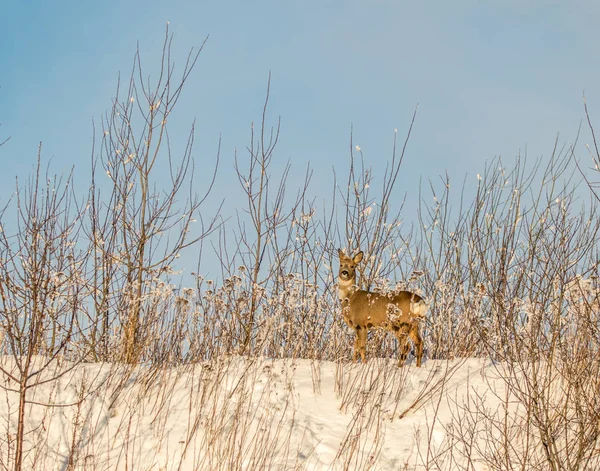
(241, 413)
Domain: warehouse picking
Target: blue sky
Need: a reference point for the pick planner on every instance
(490, 78)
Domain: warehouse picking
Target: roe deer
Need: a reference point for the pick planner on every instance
(399, 313)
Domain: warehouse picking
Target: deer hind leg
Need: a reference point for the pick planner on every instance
(403, 345)
(418, 341)
(360, 343)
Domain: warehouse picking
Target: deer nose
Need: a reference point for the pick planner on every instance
(344, 272)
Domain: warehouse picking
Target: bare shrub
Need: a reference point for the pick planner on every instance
(42, 287)
(531, 250)
(141, 227)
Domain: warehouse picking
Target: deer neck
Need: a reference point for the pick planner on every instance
(346, 288)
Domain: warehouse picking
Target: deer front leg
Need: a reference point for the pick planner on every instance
(418, 341)
(360, 344)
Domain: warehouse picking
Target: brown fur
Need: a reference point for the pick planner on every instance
(362, 310)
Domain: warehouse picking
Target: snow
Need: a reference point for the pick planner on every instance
(242, 413)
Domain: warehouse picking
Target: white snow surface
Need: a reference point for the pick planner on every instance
(243, 413)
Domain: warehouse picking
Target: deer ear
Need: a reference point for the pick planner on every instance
(341, 253)
(358, 257)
